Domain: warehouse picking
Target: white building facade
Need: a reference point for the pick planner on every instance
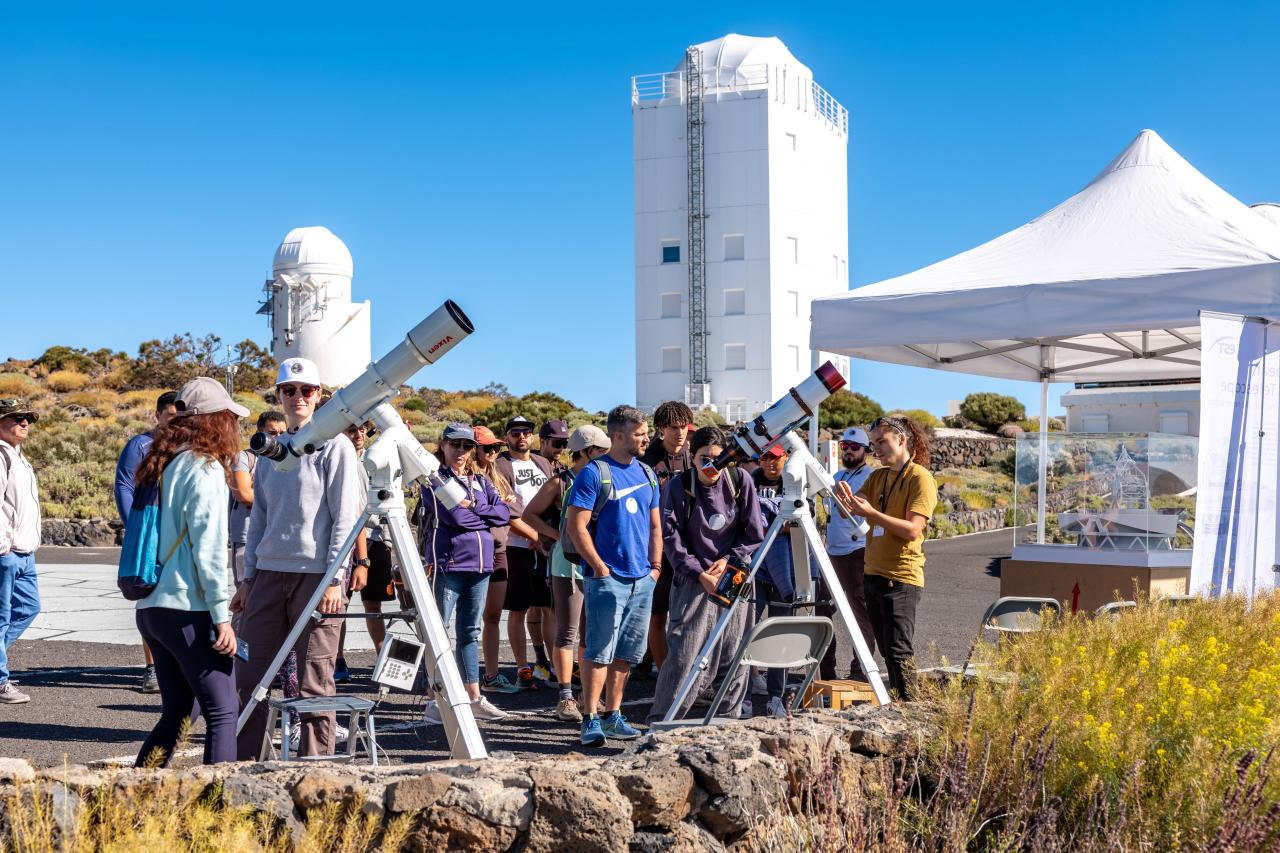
(310, 308)
(774, 210)
(1172, 408)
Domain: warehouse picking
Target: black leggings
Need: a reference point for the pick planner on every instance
(189, 669)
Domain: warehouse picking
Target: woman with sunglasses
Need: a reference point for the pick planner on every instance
(300, 521)
(457, 547)
(897, 501)
(488, 446)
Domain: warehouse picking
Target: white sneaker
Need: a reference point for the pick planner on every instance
(758, 685)
(775, 708)
(340, 733)
(295, 738)
(431, 716)
(483, 709)
(11, 695)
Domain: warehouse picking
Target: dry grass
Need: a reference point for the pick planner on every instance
(16, 384)
(63, 381)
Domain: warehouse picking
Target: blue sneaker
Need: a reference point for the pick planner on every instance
(592, 733)
(617, 726)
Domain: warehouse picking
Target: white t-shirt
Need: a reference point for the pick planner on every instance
(842, 536)
(527, 481)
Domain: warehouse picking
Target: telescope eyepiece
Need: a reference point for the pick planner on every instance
(268, 447)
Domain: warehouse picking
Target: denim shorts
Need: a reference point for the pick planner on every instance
(617, 613)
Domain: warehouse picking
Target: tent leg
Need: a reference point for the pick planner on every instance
(1042, 481)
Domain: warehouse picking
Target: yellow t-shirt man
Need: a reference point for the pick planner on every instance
(896, 493)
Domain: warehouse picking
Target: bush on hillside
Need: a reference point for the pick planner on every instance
(538, 407)
(16, 384)
(847, 408)
(924, 419)
(992, 411)
(706, 417)
(63, 381)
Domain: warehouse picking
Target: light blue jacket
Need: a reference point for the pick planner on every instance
(196, 577)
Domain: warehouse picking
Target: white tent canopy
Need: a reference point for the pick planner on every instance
(1106, 286)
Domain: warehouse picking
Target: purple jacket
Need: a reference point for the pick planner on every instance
(460, 540)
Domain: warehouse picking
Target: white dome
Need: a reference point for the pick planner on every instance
(1268, 210)
(314, 250)
(732, 52)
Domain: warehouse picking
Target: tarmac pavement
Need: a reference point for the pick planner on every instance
(81, 662)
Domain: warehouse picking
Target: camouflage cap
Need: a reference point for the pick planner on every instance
(17, 406)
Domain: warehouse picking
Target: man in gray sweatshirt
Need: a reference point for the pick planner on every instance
(300, 521)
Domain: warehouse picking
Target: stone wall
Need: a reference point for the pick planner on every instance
(85, 532)
(693, 789)
(963, 448)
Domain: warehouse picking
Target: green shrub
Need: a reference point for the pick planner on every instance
(847, 408)
(975, 499)
(991, 411)
(924, 419)
(414, 404)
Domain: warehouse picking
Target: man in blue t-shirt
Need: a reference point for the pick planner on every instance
(621, 559)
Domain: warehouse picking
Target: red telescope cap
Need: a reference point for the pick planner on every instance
(830, 376)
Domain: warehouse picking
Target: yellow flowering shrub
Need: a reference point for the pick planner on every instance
(1156, 705)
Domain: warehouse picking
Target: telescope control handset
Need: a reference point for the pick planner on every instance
(753, 439)
(425, 344)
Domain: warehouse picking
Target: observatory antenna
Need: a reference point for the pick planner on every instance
(698, 391)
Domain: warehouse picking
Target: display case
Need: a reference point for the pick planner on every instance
(1124, 499)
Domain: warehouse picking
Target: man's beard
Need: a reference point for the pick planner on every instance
(849, 462)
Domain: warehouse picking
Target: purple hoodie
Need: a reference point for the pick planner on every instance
(460, 540)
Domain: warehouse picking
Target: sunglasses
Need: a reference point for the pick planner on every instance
(304, 390)
(520, 432)
(892, 423)
(488, 448)
(558, 443)
(461, 444)
(853, 445)
(19, 419)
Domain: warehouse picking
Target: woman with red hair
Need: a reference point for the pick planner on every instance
(186, 620)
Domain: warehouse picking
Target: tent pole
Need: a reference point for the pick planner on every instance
(1042, 482)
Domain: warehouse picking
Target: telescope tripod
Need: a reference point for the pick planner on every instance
(385, 461)
(802, 477)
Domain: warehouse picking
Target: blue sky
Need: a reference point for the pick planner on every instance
(152, 158)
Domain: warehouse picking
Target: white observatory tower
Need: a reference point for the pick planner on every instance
(741, 194)
(310, 308)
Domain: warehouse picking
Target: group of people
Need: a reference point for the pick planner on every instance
(603, 561)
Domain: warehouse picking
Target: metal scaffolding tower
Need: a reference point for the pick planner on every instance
(698, 391)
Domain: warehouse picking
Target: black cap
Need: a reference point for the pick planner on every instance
(554, 429)
(519, 421)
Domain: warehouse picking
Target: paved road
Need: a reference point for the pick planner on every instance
(85, 705)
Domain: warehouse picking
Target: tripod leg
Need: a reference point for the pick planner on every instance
(704, 656)
(442, 670)
(868, 660)
(263, 688)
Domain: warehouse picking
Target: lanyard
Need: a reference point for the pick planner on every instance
(884, 496)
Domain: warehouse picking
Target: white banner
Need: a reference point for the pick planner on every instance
(1235, 544)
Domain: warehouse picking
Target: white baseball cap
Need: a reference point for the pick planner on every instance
(301, 370)
(857, 434)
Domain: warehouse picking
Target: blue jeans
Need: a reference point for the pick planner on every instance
(466, 592)
(617, 613)
(19, 602)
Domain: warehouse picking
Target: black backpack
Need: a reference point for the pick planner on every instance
(737, 488)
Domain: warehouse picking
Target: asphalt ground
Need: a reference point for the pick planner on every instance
(85, 705)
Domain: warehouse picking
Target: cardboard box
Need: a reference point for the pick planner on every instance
(1088, 587)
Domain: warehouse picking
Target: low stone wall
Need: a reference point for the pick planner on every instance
(85, 532)
(693, 789)
(979, 520)
(962, 448)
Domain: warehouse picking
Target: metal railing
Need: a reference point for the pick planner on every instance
(653, 89)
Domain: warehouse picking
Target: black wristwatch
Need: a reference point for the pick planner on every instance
(364, 561)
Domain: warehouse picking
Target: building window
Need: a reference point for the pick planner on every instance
(735, 247)
(795, 356)
(1094, 422)
(793, 302)
(793, 249)
(1175, 423)
(735, 302)
(671, 251)
(735, 356)
(670, 305)
(671, 360)
(791, 140)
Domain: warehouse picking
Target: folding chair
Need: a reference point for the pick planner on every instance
(1012, 615)
(1177, 600)
(1114, 609)
(782, 642)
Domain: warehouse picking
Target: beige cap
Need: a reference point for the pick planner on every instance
(204, 396)
(586, 436)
